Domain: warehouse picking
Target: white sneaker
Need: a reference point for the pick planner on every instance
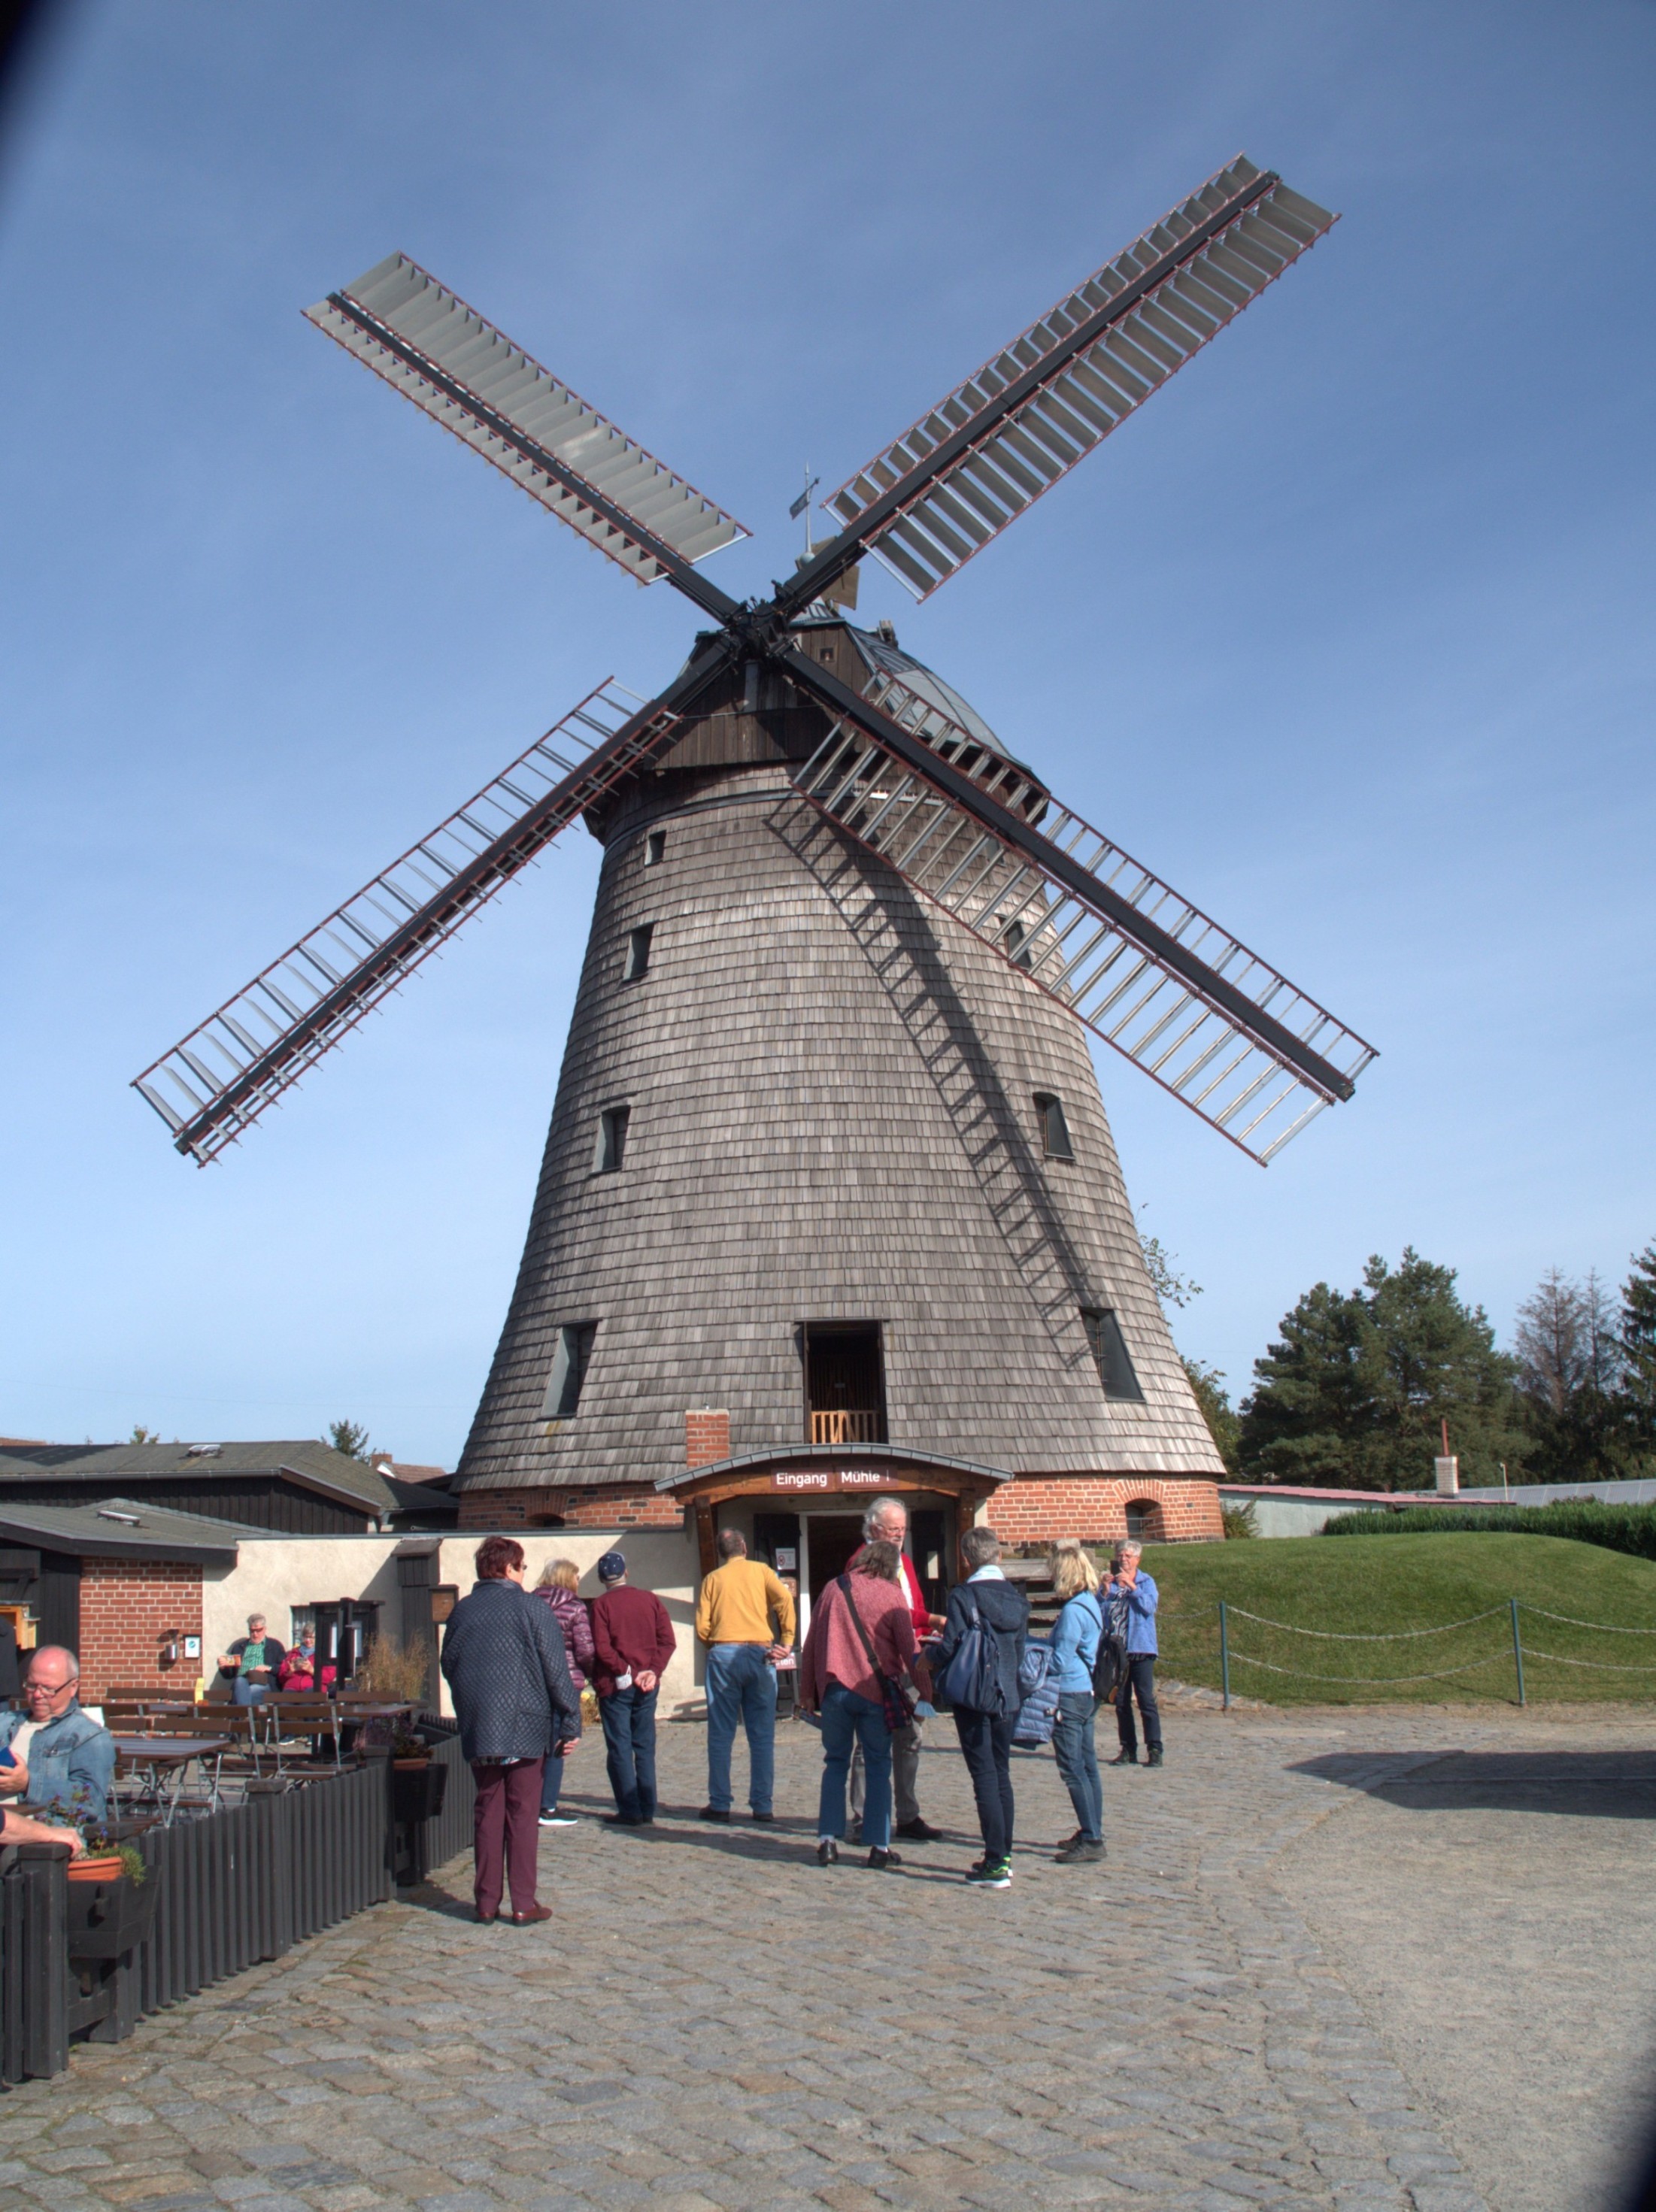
(559, 1821)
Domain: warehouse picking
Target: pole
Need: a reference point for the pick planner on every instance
(1517, 1654)
(1223, 1656)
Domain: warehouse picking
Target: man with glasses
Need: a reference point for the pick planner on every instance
(61, 1759)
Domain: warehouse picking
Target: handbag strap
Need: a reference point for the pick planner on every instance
(843, 1584)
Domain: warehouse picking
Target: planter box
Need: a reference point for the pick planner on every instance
(106, 1918)
(418, 1790)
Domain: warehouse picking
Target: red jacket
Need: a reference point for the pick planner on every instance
(919, 1611)
(631, 1630)
(570, 1613)
(834, 1651)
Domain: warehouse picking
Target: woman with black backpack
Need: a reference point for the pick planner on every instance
(978, 1672)
(1075, 1635)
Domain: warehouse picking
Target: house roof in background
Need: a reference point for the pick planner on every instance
(313, 1464)
(123, 1528)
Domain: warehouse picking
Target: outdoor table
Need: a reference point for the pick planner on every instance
(164, 1760)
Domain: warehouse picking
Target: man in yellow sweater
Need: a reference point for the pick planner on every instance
(745, 1617)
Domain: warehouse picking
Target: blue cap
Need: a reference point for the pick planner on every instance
(611, 1567)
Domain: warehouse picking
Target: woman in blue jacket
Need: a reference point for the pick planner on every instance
(1074, 1653)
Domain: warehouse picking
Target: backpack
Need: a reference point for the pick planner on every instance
(1110, 1664)
(972, 1677)
(1037, 1679)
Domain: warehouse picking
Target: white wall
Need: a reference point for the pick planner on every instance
(275, 1573)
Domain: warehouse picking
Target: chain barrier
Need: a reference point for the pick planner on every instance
(1520, 1649)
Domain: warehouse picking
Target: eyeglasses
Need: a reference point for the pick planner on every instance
(48, 1689)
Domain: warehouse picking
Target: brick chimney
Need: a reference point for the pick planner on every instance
(707, 1436)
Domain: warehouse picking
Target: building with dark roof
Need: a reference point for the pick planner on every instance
(298, 1486)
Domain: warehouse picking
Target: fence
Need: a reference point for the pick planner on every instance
(1512, 1650)
(223, 1893)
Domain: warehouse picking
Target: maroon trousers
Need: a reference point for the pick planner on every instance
(507, 1833)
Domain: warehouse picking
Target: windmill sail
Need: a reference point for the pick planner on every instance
(471, 378)
(1142, 967)
(941, 491)
(213, 1085)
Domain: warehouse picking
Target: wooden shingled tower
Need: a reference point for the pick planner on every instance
(830, 1199)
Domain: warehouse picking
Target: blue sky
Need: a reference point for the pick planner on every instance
(1348, 633)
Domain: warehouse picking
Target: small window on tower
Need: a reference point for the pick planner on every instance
(1014, 936)
(1109, 1349)
(1055, 1130)
(612, 1139)
(656, 848)
(636, 963)
(575, 1348)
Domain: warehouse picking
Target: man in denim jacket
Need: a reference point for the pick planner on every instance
(62, 1758)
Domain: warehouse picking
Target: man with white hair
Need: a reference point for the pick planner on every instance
(60, 1758)
(886, 1522)
(1139, 1677)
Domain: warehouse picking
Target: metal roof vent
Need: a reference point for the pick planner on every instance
(108, 1513)
(204, 1451)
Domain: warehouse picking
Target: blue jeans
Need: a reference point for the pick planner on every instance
(244, 1692)
(1077, 1760)
(1138, 1681)
(741, 1684)
(848, 1719)
(629, 1718)
(551, 1781)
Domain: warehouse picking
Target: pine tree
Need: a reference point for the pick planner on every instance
(1214, 1399)
(1636, 1343)
(349, 1438)
(1355, 1393)
(1569, 1367)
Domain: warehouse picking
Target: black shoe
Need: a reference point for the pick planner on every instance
(918, 1831)
(714, 1813)
(1125, 1758)
(827, 1852)
(854, 1833)
(619, 1820)
(880, 1860)
(1153, 1757)
(764, 1816)
(1080, 1852)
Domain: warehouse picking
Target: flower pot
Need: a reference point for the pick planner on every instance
(95, 1869)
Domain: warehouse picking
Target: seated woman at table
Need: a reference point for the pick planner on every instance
(298, 1671)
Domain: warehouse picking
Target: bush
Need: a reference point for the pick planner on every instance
(1239, 1520)
(1585, 1520)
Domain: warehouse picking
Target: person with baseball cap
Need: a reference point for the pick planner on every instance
(632, 1642)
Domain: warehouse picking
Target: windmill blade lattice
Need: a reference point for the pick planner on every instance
(940, 493)
(1143, 969)
(214, 1085)
(470, 377)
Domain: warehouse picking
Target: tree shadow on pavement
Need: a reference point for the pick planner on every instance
(1616, 1785)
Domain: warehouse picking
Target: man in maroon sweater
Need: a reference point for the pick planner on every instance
(632, 1642)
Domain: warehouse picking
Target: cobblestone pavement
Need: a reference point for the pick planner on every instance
(711, 2020)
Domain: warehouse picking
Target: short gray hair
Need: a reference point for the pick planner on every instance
(980, 1547)
(875, 1512)
(1130, 1544)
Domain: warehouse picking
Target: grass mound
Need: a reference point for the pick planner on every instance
(1373, 1586)
(1586, 1520)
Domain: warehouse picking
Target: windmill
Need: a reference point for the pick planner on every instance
(826, 1072)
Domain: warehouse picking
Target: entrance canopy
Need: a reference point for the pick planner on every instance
(843, 1477)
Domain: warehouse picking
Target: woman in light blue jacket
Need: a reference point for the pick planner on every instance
(1075, 1652)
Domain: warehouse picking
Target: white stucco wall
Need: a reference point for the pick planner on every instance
(274, 1574)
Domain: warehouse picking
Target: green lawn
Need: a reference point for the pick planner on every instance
(1367, 1585)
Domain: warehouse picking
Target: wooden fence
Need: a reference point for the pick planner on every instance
(237, 1887)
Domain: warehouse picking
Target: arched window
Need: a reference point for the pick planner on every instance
(1144, 1520)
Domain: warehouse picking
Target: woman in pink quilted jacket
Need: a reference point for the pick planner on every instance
(557, 1590)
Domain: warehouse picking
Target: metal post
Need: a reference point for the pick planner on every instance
(1517, 1654)
(1223, 1656)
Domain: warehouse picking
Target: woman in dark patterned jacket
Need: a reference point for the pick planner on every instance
(560, 1580)
(503, 1660)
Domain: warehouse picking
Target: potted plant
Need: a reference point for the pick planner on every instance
(112, 1899)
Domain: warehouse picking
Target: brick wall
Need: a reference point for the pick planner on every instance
(1035, 1509)
(707, 1437)
(602, 1506)
(129, 1608)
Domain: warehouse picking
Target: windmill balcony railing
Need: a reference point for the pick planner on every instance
(865, 1425)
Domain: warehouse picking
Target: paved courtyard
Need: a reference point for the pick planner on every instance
(1352, 1959)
